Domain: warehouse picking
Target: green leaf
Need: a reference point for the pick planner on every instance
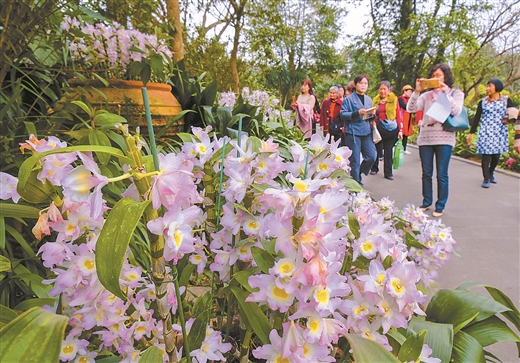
(456, 306)
(136, 67)
(513, 315)
(5, 264)
(31, 129)
(254, 315)
(84, 107)
(186, 273)
(18, 211)
(411, 241)
(464, 324)
(2, 231)
(368, 351)
(21, 241)
(35, 336)
(114, 240)
(394, 333)
(39, 302)
(467, 349)
(242, 277)
(34, 191)
(439, 337)
(353, 224)
(98, 137)
(352, 185)
(152, 355)
(491, 331)
(7, 315)
(412, 347)
(171, 121)
(263, 259)
(201, 312)
(146, 73)
(108, 119)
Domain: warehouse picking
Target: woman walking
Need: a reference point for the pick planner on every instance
(358, 133)
(304, 107)
(433, 141)
(405, 117)
(386, 113)
(492, 136)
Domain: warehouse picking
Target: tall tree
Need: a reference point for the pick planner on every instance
(174, 18)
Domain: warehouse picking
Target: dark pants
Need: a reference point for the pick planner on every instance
(489, 164)
(360, 145)
(385, 146)
(405, 142)
(442, 154)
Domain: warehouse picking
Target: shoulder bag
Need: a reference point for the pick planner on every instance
(457, 123)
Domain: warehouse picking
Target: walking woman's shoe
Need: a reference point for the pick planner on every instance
(424, 208)
(485, 184)
(437, 214)
(493, 180)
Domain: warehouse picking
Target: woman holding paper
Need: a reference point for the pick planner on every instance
(356, 113)
(435, 143)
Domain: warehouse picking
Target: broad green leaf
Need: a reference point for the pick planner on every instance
(31, 129)
(5, 264)
(491, 331)
(464, 324)
(457, 306)
(513, 315)
(84, 107)
(18, 211)
(39, 302)
(412, 347)
(186, 273)
(185, 137)
(411, 241)
(439, 337)
(261, 187)
(263, 259)
(171, 121)
(243, 209)
(467, 349)
(29, 164)
(98, 137)
(33, 190)
(152, 355)
(242, 277)
(217, 156)
(353, 224)
(114, 240)
(201, 312)
(352, 185)
(255, 317)
(368, 351)
(7, 315)
(21, 241)
(108, 119)
(35, 336)
(2, 231)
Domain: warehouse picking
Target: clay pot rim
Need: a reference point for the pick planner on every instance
(119, 83)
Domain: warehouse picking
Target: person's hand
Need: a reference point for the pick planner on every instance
(294, 105)
(400, 135)
(362, 112)
(469, 139)
(444, 87)
(517, 145)
(418, 85)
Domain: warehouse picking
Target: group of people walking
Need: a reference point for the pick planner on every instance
(360, 122)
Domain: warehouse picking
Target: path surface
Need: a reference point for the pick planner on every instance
(485, 223)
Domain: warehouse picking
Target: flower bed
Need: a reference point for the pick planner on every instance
(281, 242)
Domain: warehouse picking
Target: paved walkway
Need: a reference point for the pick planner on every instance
(485, 223)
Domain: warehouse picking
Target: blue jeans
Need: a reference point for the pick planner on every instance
(442, 162)
(360, 145)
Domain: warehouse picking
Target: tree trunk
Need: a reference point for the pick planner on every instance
(174, 17)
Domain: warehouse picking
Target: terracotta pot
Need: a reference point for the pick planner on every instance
(125, 98)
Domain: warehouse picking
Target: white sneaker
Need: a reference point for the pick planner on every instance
(407, 152)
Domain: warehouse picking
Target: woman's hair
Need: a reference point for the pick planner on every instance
(350, 87)
(308, 82)
(499, 86)
(448, 75)
(338, 86)
(387, 84)
(360, 77)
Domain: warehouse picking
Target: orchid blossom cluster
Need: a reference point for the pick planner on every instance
(342, 263)
(110, 48)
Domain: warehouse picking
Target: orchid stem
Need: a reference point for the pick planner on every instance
(150, 128)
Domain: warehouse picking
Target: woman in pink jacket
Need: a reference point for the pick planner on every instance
(433, 141)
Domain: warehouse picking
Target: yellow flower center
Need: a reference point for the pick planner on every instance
(367, 246)
(286, 267)
(323, 210)
(197, 258)
(280, 293)
(244, 250)
(279, 359)
(301, 186)
(68, 349)
(89, 264)
(177, 236)
(261, 165)
(202, 149)
(380, 279)
(359, 309)
(252, 225)
(397, 286)
(323, 167)
(83, 360)
(322, 296)
(313, 325)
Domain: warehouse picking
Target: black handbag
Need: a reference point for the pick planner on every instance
(335, 128)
